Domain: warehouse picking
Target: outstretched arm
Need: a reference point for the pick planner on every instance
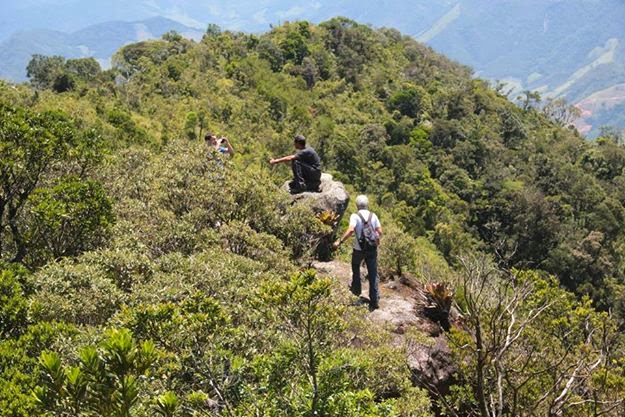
(226, 142)
(349, 232)
(287, 158)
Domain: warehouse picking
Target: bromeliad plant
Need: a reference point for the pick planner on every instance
(328, 217)
(437, 299)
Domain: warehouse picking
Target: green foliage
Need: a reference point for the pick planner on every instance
(398, 253)
(13, 306)
(166, 404)
(190, 124)
(63, 287)
(532, 360)
(294, 46)
(105, 382)
(128, 131)
(196, 256)
(410, 101)
(36, 146)
(54, 72)
(323, 380)
(67, 219)
(18, 365)
(83, 68)
(43, 71)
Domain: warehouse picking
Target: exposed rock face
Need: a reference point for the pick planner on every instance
(333, 197)
(432, 365)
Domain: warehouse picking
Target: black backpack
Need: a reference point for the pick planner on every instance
(368, 239)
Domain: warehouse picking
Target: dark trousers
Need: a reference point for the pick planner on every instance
(371, 259)
(305, 177)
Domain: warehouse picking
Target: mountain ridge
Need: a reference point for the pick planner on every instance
(141, 265)
(99, 41)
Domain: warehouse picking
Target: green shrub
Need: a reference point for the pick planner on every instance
(72, 217)
(106, 381)
(13, 306)
(397, 251)
(75, 293)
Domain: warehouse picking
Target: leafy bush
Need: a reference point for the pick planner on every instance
(397, 252)
(75, 293)
(105, 382)
(72, 217)
(13, 306)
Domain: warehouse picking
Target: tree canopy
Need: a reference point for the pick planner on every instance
(143, 275)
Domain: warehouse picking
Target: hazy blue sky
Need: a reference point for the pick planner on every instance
(246, 15)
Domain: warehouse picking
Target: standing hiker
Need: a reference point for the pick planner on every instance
(306, 166)
(368, 230)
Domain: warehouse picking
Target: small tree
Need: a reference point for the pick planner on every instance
(561, 112)
(67, 219)
(32, 146)
(532, 348)
(43, 70)
(106, 381)
(310, 319)
(410, 101)
(397, 253)
(190, 125)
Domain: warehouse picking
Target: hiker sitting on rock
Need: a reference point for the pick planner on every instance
(306, 166)
(221, 145)
(366, 225)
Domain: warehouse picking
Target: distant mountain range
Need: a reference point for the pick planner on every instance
(566, 48)
(99, 41)
(562, 48)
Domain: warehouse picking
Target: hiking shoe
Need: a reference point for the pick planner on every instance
(296, 190)
(373, 307)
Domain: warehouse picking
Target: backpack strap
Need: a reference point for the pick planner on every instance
(364, 223)
(363, 219)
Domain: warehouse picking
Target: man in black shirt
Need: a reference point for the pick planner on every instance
(306, 166)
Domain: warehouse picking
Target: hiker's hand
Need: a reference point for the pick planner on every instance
(273, 161)
(336, 244)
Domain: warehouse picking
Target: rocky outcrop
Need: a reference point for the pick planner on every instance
(332, 198)
(432, 365)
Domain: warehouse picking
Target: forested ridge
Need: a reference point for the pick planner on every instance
(143, 275)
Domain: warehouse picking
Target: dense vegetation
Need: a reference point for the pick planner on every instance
(143, 276)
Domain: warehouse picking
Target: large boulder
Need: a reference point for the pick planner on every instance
(332, 198)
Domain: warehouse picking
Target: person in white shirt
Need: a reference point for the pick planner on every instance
(369, 254)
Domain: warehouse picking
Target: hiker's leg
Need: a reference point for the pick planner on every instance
(372, 269)
(298, 176)
(355, 286)
(312, 177)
